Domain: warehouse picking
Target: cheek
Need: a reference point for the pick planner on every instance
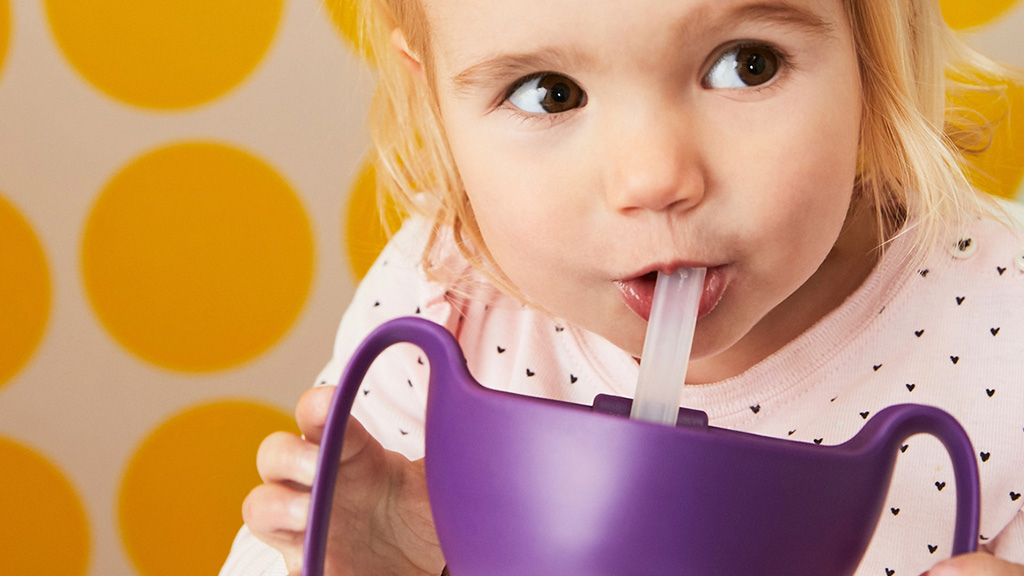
(508, 209)
(526, 202)
(816, 185)
(811, 160)
(536, 230)
(486, 181)
(817, 180)
(795, 182)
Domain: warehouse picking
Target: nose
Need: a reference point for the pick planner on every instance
(654, 162)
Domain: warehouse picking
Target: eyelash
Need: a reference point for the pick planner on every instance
(533, 121)
(785, 65)
(523, 117)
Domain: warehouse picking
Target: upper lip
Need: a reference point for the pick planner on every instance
(668, 267)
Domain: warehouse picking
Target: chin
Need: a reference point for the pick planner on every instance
(627, 335)
(712, 341)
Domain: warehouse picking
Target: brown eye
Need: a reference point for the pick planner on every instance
(756, 65)
(743, 67)
(547, 94)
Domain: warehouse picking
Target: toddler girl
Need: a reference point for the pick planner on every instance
(555, 155)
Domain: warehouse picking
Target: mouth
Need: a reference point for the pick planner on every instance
(638, 292)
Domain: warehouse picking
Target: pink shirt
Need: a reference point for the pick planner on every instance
(948, 334)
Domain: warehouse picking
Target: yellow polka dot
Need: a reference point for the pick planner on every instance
(24, 291)
(197, 256)
(164, 53)
(5, 30)
(996, 162)
(180, 499)
(44, 528)
(345, 14)
(963, 14)
(365, 234)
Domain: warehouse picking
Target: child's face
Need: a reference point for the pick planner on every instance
(600, 141)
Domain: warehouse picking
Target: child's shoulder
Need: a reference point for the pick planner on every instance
(1005, 228)
(398, 282)
(953, 332)
(990, 252)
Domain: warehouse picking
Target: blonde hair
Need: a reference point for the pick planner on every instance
(913, 140)
(911, 165)
(413, 162)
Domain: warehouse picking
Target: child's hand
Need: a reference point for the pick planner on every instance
(380, 520)
(977, 564)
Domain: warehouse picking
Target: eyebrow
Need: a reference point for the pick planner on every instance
(499, 68)
(504, 66)
(778, 12)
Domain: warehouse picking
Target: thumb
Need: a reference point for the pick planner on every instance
(311, 412)
(311, 415)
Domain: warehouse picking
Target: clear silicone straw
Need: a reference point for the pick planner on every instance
(659, 388)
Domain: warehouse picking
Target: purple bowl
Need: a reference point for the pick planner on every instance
(525, 485)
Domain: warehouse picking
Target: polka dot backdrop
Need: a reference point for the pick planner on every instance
(185, 208)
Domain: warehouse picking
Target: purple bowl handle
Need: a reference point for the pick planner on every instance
(444, 355)
(896, 423)
(890, 427)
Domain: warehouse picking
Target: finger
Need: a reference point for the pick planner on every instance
(277, 515)
(357, 439)
(311, 411)
(311, 415)
(284, 457)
